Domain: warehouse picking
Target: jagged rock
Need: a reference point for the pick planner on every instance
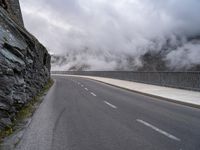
(24, 67)
(6, 122)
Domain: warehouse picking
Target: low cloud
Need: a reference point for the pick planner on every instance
(110, 35)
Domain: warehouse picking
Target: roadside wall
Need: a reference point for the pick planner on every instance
(182, 80)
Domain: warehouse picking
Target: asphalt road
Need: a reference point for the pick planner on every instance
(81, 114)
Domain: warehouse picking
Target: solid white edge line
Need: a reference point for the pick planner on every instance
(93, 94)
(86, 89)
(158, 130)
(111, 105)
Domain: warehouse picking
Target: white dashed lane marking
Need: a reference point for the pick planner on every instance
(138, 120)
(158, 130)
(93, 94)
(111, 105)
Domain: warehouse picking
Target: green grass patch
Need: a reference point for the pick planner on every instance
(6, 132)
(27, 111)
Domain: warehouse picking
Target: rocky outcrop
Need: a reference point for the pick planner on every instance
(24, 67)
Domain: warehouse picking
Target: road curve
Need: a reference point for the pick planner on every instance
(82, 114)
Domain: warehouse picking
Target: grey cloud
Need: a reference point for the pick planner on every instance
(109, 35)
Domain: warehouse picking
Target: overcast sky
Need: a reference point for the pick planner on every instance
(102, 33)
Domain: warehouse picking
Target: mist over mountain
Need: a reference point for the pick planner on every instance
(147, 35)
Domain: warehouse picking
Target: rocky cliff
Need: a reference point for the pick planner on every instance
(24, 67)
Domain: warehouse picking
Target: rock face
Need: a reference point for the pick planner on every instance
(13, 8)
(24, 67)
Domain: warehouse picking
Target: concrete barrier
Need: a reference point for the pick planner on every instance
(182, 80)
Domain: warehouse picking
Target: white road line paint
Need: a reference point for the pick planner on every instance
(158, 130)
(93, 94)
(86, 89)
(111, 105)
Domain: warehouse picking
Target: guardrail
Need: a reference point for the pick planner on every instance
(182, 80)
